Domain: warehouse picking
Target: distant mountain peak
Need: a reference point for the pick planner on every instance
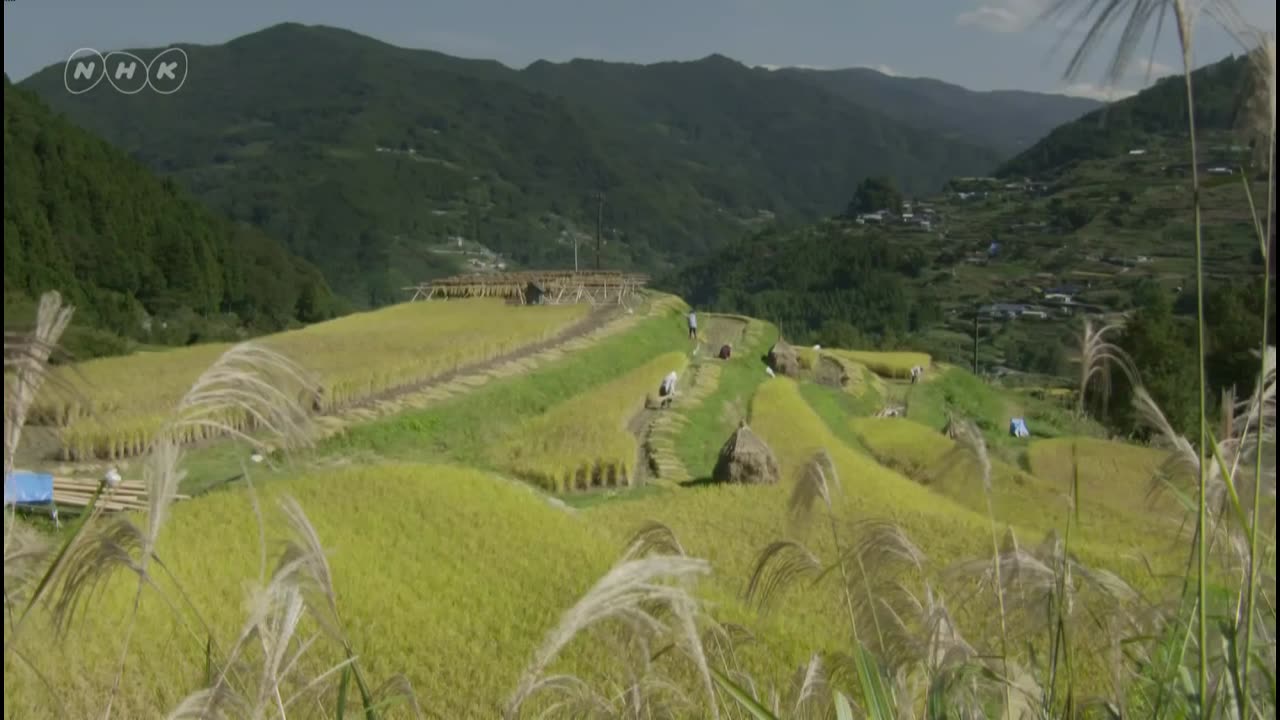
(719, 59)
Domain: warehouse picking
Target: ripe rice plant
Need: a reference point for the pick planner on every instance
(118, 403)
(1103, 469)
(584, 442)
(1106, 509)
(894, 365)
(948, 527)
(471, 571)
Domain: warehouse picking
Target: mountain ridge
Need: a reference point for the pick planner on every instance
(363, 156)
(1158, 111)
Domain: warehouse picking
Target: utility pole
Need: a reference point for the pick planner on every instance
(599, 227)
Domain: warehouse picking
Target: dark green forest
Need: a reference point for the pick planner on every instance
(140, 258)
(1160, 338)
(817, 283)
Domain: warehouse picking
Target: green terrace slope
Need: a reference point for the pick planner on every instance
(140, 258)
(450, 569)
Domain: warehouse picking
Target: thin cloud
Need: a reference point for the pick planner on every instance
(1002, 16)
(881, 68)
(1093, 91)
(772, 68)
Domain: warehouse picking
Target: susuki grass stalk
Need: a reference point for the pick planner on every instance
(1265, 65)
(971, 437)
(1185, 20)
(1061, 638)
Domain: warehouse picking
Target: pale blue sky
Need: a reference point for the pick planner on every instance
(982, 44)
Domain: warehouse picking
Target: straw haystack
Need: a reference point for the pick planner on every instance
(783, 359)
(746, 460)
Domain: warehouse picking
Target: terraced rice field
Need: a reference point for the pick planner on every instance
(584, 442)
(895, 365)
(115, 405)
(447, 574)
(452, 569)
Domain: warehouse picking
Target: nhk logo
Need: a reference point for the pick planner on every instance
(126, 72)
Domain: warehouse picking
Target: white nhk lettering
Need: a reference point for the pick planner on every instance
(123, 69)
(164, 74)
(166, 70)
(85, 69)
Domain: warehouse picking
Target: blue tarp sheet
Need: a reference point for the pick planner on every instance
(28, 488)
(1018, 428)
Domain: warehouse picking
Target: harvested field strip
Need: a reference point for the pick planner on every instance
(115, 405)
(744, 335)
(467, 428)
(583, 443)
(461, 384)
(893, 365)
(850, 376)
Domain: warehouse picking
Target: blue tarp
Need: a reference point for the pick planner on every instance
(28, 488)
(1018, 428)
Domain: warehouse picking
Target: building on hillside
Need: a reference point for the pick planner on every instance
(1062, 293)
(1184, 169)
(1004, 311)
(1138, 151)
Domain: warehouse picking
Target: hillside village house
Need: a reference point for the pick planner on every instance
(1065, 294)
(1006, 311)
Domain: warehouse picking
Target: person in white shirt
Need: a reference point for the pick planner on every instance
(667, 390)
(693, 325)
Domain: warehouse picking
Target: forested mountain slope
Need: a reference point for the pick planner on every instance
(137, 255)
